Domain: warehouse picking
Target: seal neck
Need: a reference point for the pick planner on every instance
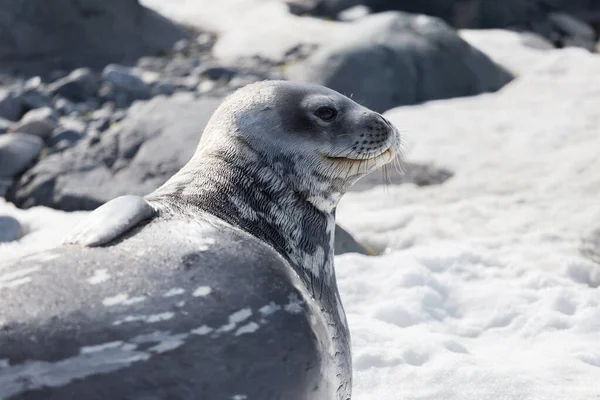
(256, 198)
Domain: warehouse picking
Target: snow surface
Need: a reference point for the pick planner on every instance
(481, 292)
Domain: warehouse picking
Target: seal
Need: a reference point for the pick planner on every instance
(218, 285)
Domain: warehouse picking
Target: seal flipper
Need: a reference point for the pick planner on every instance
(109, 221)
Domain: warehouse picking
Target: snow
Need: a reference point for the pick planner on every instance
(481, 292)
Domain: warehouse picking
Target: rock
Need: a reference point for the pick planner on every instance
(41, 35)
(353, 13)
(392, 59)
(11, 106)
(78, 86)
(69, 132)
(5, 184)
(164, 87)
(17, 151)
(345, 243)
(10, 229)
(217, 73)
(571, 32)
(180, 67)
(135, 156)
(5, 125)
(39, 122)
(127, 81)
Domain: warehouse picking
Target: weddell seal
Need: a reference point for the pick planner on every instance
(218, 285)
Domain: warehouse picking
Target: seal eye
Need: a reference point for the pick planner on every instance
(326, 113)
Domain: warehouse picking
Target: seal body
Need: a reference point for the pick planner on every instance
(180, 319)
(218, 285)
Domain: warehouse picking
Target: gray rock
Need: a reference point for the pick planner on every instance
(164, 87)
(180, 67)
(345, 243)
(135, 156)
(217, 73)
(17, 151)
(78, 86)
(127, 81)
(40, 35)
(395, 59)
(39, 122)
(353, 13)
(5, 125)
(571, 32)
(5, 184)
(11, 106)
(472, 14)
(10, 229)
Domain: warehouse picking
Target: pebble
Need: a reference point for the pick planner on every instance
(10, 229)
(39, 122)
(78, 86)
(5, 125)
(17, 151)
(10, 105)
(127, 80)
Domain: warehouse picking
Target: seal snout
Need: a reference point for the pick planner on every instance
(376, 138)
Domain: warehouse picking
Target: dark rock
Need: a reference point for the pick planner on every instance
(180, 67)
(395, 59)
(78, 86)
(17, 151)
(134, 157)
(39, 122)
(126, 80)
(217, 73)
(10, 229)
(40, 35)
(164, 87)
(5, 125)
(568, 31)
(11, 106)
(5, 185)
(345, 243)
(473, 14)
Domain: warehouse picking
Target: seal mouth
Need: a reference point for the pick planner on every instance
(389, 152)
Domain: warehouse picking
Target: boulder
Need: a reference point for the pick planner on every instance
(391, 59)
(78, 86)
(138, 154)
(11, 106)
(39, 122)
(39, 35)
(17, 151)
(10, 229)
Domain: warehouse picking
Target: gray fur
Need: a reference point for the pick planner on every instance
(218, 285)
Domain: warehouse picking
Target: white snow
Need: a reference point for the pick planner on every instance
(481, 292)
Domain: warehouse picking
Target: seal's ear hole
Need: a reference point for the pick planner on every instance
(326, 113)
